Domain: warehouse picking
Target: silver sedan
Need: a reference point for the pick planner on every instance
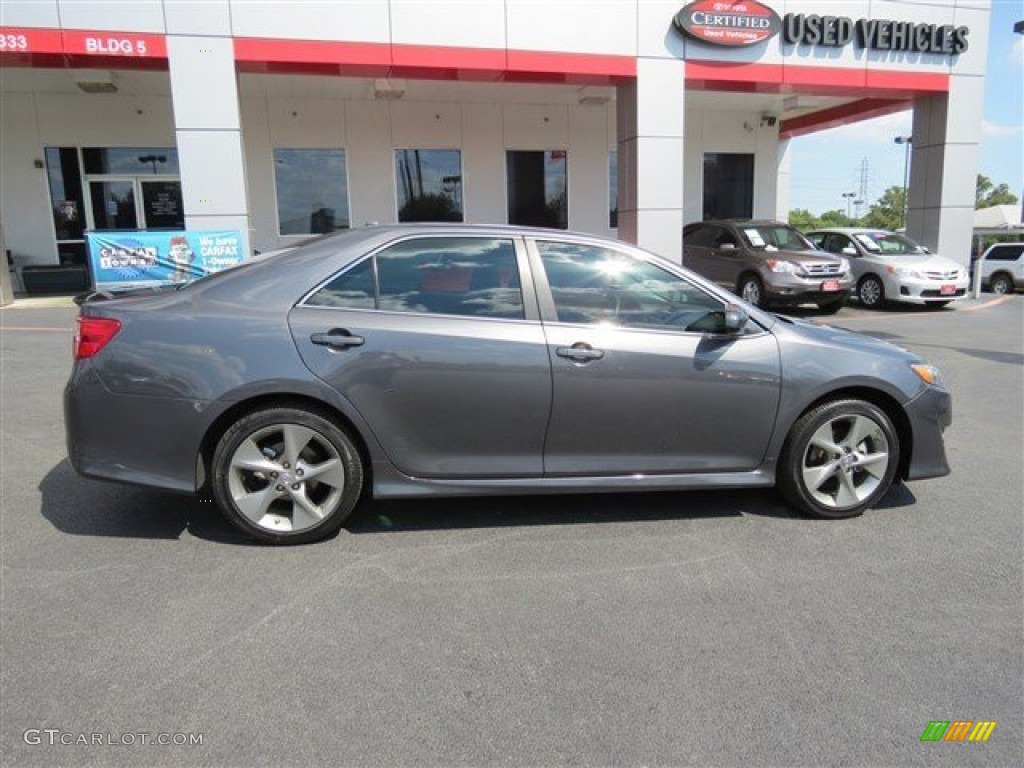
(447, 360)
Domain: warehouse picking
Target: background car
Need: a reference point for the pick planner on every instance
(430, 360)
(1002, 267)
(892, 267)
(766, 262)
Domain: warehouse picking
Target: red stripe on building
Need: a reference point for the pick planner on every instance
(864, 109)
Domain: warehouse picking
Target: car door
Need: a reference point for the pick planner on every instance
(436, 341)
(640, 384)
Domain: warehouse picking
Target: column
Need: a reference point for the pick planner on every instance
(782, 178)
(650, 138)
(944, 166)
(208, 127)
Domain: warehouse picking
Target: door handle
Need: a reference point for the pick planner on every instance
(337, 338)
(580, 352)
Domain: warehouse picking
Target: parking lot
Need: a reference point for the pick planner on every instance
(709, 628)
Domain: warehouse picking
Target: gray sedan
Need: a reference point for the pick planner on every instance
(450, 360)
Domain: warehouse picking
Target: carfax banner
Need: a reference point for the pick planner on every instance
(125, 260)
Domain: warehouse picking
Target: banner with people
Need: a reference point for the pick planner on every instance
(125, 260)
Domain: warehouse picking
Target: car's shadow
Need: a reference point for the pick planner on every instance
(81, 507)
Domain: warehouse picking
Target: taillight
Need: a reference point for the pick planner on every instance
(94, 333)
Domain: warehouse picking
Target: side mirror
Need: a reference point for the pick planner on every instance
(925, 249)
(727, 247)
(734, 319)
(849, 251)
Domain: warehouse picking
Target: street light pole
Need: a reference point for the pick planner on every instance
(906, 141)
(849, 196)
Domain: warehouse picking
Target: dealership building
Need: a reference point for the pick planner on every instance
(628, 118)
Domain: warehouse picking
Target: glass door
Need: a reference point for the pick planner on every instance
(113, 204)
(161, 204)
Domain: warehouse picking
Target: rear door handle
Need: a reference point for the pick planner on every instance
(580, 352)
(337, 338)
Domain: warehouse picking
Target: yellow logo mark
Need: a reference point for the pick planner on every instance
(982, 730)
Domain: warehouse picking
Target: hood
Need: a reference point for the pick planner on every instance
(926, 262)
(798, 257)
(839, 339)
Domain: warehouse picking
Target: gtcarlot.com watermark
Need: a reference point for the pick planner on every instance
(56, 737)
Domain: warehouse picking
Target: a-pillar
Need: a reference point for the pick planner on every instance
(943, 168)
(650, 119)
(204, 89)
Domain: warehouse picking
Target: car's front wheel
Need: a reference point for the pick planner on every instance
(751, 290)
(871, 292)
(1001, 283)
(839, 459)
(286, 475)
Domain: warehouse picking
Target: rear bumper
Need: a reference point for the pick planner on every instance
(930, 413)
(127, 438)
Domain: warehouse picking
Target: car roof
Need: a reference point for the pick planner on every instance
(852, 230)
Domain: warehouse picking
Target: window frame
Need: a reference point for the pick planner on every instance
(549, 311)
(277, 207)
(531, 311)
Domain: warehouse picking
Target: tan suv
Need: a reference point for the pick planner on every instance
(766, 262)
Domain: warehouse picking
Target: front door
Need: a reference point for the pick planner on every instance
(640, 385)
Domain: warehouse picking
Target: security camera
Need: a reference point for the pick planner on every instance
(768, 121)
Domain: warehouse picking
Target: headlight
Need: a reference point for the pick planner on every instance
(779, 265)
(929, 374)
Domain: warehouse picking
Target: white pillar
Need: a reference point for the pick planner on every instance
(650, 136)
(782, 176)
(208, 127)
(944, 166)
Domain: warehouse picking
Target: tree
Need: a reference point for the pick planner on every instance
(987, 194)
(835, 218)
(803, 219)
(887, 213)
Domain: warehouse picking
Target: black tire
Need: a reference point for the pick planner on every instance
(751, 289)
(870, 292)
(288, 504)
(831, 307)
(1000, 283)
(833, 497)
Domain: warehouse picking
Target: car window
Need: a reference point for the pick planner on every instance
(697, 234)
(835, 243)
(596, 285)
(468, 276)
(773, 237)
(817, 238)
(1005, 253)
(721, 236)
(888, 243)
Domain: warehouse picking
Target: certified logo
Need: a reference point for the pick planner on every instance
(732, 24)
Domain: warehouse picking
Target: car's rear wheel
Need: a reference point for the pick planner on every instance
(1001, 283)
(871, 292)
(286, 475)
(839, 459)
(751, 290)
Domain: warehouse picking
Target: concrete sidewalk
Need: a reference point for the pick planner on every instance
(40, 302)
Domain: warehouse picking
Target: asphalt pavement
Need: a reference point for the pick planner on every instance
(708, 628)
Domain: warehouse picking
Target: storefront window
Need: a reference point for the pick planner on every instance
(728, 186)
(133, 161)
(429, 183)
(613, 189)
(312, 191)
(538, 190)
(65, 181)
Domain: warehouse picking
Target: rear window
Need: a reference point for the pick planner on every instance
(1009, 252)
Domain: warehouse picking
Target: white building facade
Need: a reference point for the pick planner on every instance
(628, 118)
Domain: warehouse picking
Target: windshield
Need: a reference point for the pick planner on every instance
(887, 243)
(774, 237)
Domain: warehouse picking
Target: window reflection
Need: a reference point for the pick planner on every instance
(312, 191)
(429, 183)
(538, 191)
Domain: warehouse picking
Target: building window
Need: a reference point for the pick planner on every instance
(131, 161)
(728, 186)
(613, 189)
(538, 189)
(312, 191)
(429, 183)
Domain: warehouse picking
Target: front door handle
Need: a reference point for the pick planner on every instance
(580, 352)
(337, 338)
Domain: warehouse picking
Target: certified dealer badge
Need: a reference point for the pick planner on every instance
(722, 22)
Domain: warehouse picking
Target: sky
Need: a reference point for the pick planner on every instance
(828, 163)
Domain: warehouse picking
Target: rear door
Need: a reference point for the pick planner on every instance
(437, 343)
(640, 385)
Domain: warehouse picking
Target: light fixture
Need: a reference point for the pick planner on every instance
(592, 96)
(388, 89)
(95, 81)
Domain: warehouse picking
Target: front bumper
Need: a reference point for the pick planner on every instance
(794, 289)
(923, 291)
(929, 414)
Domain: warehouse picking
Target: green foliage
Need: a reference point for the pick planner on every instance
(987, 194)
(887, 213)
(803, 219)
